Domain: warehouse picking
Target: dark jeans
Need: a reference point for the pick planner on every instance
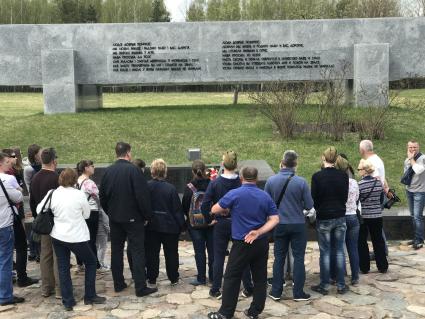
(84, 252)
(222, 236)
(331, 238)
(285, 234)
(203, 239)
(21, 247)
(170, 244)
(351, 242)
(374, 227)
(416, 203)
(93, 224)
(135, 233)
(242, 254)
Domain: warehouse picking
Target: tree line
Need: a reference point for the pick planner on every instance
(222, 10)
(82, 11)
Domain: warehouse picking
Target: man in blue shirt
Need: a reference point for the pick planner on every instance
(254, 214)
(291, 228)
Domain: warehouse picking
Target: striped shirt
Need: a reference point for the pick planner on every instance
(371, 204)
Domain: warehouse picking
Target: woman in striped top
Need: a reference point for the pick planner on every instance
(371, 197)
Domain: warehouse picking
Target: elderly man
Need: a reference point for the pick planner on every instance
(254, 214)
(414, 166)
(291, 195)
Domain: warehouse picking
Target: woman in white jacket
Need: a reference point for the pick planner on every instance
(71, 234)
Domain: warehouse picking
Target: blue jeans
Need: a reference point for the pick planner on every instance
(328, 231)
(294, 234)
(203, 239)
(416, 203)
(6, 263)
(351, 242)
(85, 253)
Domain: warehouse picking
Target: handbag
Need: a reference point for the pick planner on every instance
(43, 223)
(407, 177)
(359, 214)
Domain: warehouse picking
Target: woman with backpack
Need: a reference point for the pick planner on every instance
(164, 227)
(371, 197)
(202, 235)
(85, 170)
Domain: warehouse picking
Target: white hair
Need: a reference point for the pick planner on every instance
(366, 145)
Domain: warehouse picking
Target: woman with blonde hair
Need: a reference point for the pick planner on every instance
(165, 225)
(371, 198)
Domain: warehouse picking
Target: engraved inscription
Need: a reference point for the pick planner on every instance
(254, 55)
(145, 57)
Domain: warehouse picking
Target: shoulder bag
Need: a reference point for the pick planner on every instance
(43, 223)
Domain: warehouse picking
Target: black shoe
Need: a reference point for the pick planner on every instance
(216, 294)
(275, 298)
(196, 282)
(15, 300)
(342, 291)
(417, 246)
(97, 300)
(302, 297)
(246, 313)
(319, 289)
(27, 282)
(146, 291)
(270, 281)
(120, 288)
(247, 293)
(37, 259)
(69, 309)
(32, 258)
(383, 271)
(216, 315)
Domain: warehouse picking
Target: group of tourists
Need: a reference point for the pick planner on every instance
(215, 210)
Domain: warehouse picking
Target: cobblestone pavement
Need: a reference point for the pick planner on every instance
(400, 293)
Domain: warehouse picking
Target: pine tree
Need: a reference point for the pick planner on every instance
(159, 12)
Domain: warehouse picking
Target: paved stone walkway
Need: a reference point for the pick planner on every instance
(398, 294)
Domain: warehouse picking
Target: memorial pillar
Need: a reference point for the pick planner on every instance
(59, 87)
(89, 97)
(371, 74)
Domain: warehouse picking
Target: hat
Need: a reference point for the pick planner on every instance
(230, 160)
(341, 164)
(330, 154)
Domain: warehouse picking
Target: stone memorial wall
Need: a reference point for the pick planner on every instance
(73, 62)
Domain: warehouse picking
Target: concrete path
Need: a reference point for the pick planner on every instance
(398, 294)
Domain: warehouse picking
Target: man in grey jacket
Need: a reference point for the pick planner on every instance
(415, 192)
(6, 236)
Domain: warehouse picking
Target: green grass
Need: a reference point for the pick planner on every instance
(166, 124)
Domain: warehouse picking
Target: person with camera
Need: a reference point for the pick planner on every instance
(414, 179)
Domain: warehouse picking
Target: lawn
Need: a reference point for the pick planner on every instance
(167, 124)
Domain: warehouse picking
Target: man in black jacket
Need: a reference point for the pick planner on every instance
(124, 195)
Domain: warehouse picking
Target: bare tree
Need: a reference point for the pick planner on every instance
(280, 101)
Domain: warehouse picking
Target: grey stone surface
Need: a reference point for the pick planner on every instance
(371, 74)
(59, 84)
(89, 97)
(213, 52)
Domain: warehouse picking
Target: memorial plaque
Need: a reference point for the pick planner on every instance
(207, 53)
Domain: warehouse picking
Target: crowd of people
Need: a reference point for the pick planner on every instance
(215, 210)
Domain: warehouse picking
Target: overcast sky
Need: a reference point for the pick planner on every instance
(177, 8)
